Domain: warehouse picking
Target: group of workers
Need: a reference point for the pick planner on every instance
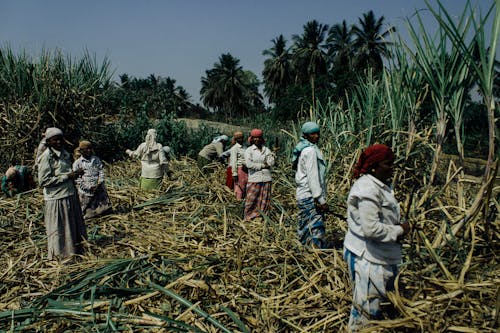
(372, 244)
(249, 169)
(372, 249)
(72, 190)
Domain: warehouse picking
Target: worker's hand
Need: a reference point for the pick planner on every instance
(322, 208)
(75, 174)
(128, 151)
(406, 230)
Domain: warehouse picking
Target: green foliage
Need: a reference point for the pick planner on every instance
(156, 95)
(112, 140)
(52, 90)
(174, 134)
(228, 89)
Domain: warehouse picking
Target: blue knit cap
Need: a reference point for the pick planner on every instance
(310, 127)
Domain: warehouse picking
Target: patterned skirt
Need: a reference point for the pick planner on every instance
(258, 200)
(95, 205)
(311, 228)
(370, 284)
(240, 187)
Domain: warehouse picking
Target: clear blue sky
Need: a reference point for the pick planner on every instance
(183, 38)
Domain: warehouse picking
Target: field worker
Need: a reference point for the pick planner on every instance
(63, 215)
(371, 247)
(259, 160)
(94, 199)
(237, 164)
(168, 155)
(212, 152)
(17, 179)
(153, 161)
(311, 187)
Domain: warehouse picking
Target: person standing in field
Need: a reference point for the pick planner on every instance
(371, 246)
(17, 179)
(238, 168)
(311, 187)
(63, 216)
(259, 160)
(212, 152)
(94, 199)
(154, 164)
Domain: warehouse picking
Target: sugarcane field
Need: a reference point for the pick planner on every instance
(338, 192)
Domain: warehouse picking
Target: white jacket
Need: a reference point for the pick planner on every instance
(153, 162)
(309, 179)
(254, 160)
(236, 158)
(373, 217)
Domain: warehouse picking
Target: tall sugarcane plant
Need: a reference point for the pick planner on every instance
(51, 90)
(483, 67)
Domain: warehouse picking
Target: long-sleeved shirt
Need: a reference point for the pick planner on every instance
(255, 159)
(212, 151)
(53, 174)
(93, 175)
(236, 158)
(153, 161)
(310, 175)
(373, 217)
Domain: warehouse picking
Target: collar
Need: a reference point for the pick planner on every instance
(379, 182)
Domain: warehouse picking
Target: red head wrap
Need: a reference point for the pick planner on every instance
(256, 133)
(371, 156)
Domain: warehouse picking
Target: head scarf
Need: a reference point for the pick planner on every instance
(220, 138)
(84, 144)
(52, 131)
(307, 128)
(310, 127)
(370, 157)
(256, 133)
(236, 135)
(10, 173)
(150, 141)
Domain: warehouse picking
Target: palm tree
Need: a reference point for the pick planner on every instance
(370, 42)
(341, 54)
(277, 71)
(340, 45)
(226, 87)
(310, 57)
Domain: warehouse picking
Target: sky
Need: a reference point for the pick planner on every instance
(181, 39)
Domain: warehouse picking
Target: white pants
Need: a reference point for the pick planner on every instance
(370, 283)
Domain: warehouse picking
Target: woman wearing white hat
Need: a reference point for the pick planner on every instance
(63, 216)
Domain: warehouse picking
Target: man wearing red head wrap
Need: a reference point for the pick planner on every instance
(371, 246)
(259, 160)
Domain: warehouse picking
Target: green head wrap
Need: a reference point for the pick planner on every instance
(310, 127)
